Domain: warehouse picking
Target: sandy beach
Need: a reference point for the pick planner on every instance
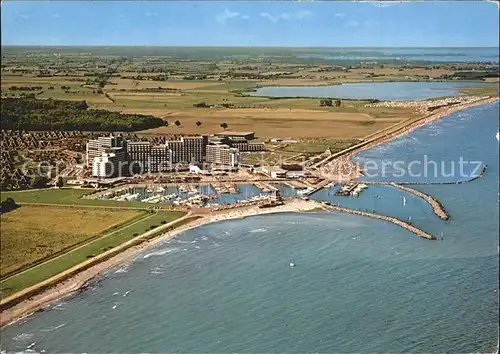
(77, 282)
(343, 169)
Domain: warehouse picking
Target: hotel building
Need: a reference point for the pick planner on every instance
(222, 156)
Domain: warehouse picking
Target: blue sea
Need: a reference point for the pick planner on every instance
(359, 285)
(453, 55)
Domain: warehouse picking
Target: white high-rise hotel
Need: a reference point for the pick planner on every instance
(142, 156)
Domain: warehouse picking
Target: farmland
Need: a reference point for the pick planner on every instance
(55, 229)
(32, 233)
(169, 82)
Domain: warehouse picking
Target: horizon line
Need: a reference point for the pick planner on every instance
(232, 46)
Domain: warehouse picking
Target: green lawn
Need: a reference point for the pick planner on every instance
(55, 266)
(317, 146)
(69, 196)
(33, 234)
(72, 197)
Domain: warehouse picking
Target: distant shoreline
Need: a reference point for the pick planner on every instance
(389, 134)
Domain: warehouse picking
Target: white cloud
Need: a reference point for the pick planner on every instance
(245, 17)
(151, 14)
(299, 15)
(385, 3)
(24, 16)
(352, 23)
(224, 16)
(340, 14)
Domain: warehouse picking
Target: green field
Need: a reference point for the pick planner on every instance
(70, 197)
(166, 82)
(45, 236)
(34, 233)
(57, 265)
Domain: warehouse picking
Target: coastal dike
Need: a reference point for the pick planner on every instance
(437, 207)
(401, 128)
(396, 221)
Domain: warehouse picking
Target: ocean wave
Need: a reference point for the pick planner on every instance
(182, 242)
(123, 269)
(59, 307)
(51, 329)
(260, 230)
(156, 270)
(23, 336)
(159, 253)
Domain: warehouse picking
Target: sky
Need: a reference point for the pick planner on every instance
(251, 23)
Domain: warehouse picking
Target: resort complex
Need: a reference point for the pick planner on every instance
(289, 191)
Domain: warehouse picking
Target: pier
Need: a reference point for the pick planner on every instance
(437, 207)
(265, 187)
(318, 187)
(349, 189)
(396, 221)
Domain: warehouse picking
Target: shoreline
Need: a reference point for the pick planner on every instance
(75, 283)
(78, 281)
(425, 120)
(346, 170)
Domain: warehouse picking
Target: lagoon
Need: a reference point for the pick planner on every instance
(394, 91)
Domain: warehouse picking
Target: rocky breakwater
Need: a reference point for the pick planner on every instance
(437, 207)
(429, 105)
(394, 220)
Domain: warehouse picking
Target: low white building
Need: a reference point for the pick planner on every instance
(274, 171)
(295, 174)
(195, 169)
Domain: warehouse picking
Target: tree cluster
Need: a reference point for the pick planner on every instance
(329, 103)
(25, 88)
(8, 205)
(471, 75)
(33, 114)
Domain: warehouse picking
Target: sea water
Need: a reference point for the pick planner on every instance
(453, 55)
(359, 285)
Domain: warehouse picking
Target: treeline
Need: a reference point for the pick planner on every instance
(218, 105)
(25, 88)
(471, 75)
(256, 76)
(163, 77)
(330, 103)
(33, 114)
(194, 77)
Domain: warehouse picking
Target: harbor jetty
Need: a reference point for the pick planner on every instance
(316, 188)
(352, 188)
(265, 187)
(396, 221)
(437, 207)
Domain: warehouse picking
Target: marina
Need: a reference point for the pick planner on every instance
(351, 189)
